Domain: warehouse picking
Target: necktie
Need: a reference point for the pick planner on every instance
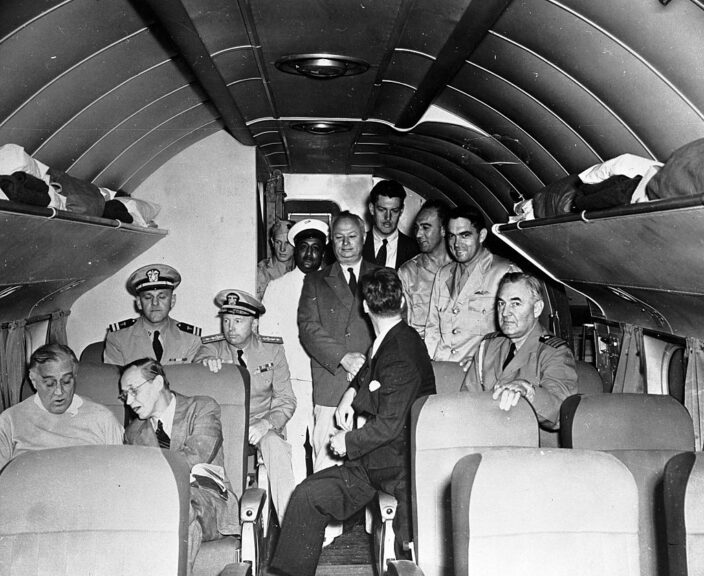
(511, 354)
(381, 254)
(156, 345)
(352, 281)
(240, 358)
(162, 437)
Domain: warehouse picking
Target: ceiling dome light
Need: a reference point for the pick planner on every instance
(321, 66)
(322, 128)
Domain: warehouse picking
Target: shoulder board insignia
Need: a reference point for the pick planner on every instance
(120, 325)
(188, 328)
(271, 339)
(491, 335)
(553, 341)
(212, 338)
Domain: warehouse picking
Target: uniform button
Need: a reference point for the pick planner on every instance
(455, 310)
(453, 351)
(455, 330)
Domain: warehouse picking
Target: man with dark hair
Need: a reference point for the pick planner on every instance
(522, 359)
(309, 238)
(190, 426)
(418, 274)
(154, 334)
(462, 302)
(55, 416)
(386, 245)
(397, 372)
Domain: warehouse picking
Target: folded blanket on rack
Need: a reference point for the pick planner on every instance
(25, 189)
(682, 174)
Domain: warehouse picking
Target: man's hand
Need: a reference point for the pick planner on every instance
(257, 430)
(213, 363)
(466, 362)
(337, 444)
(509, 394)
(352, 362)
(344, 413)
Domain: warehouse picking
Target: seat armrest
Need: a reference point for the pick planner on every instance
(251, 504)
(387, 506)
(403, 568)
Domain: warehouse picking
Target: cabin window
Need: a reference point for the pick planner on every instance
(676, 371)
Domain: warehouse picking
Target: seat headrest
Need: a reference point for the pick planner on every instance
(625, 422)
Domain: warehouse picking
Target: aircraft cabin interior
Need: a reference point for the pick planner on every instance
(177, 132)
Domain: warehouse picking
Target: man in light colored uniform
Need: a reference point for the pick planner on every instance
(271, 399)
(281, 260)
(154, 334)
(308, 238)
(55, 417)
(462, 303)
(418, 274)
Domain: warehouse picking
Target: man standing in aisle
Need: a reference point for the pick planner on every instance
(418, 274)
(281, 260)
(385, 244)
(154, 334)
(462, 303)
(308, 238)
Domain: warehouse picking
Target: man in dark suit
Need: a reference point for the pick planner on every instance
(397, 372)
(190, 426)
(386, 245)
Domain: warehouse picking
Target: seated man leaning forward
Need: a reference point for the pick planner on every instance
(396, 373)
(55, 416)
(271, 398)
(190, 426)
(522, 360)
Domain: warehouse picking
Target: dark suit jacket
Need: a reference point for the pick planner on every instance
(399, 373)
(331, 324)
(196, 434)
(407, 248)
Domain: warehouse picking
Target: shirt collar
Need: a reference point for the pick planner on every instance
(166, 417)
(378, 238)
(76, 403)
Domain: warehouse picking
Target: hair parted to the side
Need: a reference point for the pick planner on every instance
(347, 215)
(149, 368)
(535, 286)
(388, 188)
(52, 353)
(383, 292)
(468, 213)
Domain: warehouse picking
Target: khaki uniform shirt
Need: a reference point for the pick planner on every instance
(456, 323)
(417, 276)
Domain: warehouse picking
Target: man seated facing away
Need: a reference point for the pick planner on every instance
(55, 416)
(154, 334)
(522, 360)
(271, 398)
(191, 427)
(397, 372)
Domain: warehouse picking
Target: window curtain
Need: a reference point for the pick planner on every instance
(693, 390)
(56, 332)
(12, 362)
(631, 375)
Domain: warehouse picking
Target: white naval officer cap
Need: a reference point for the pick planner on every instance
(238, 302)
(153, 277)
(307, 228)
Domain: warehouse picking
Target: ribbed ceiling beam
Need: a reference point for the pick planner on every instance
(176, 20)
(476, 21)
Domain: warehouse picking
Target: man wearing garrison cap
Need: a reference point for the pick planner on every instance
(308, 238)
(271, 399)
(154, 334)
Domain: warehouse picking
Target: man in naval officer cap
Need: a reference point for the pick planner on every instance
(154, 334)
(271, 399)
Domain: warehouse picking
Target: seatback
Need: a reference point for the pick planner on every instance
(684, 512)
(93, 353)
(230, 389)
(446, 427)
(101, 383)
(644, 432)
(532, 512)
(94, 511)
(448, 376)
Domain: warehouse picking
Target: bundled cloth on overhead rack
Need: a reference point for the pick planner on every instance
(25, 180)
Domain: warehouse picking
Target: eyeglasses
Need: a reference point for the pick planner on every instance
(127, 392)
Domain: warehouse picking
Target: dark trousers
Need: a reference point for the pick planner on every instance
(334, 494)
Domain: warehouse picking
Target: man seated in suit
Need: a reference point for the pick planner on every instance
(522, 359)
(271, 398)
(397, 372)
(55, 416)
(386, 245)
(154, 334)
(189, 425)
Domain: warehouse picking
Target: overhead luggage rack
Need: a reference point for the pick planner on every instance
(641, 264)
(50, 257)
